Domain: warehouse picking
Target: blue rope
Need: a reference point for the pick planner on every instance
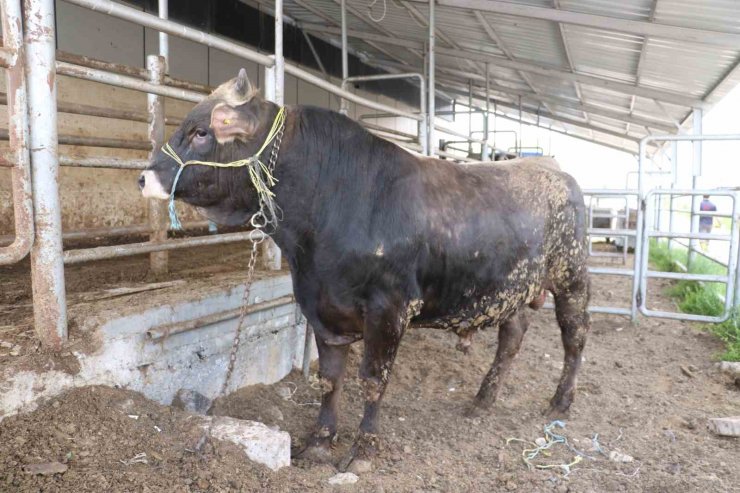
(175, 223)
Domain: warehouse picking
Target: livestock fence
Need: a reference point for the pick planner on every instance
(32, 63)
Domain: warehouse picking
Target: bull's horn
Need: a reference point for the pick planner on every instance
(242, 85)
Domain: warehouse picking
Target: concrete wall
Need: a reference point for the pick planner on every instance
(97, 197)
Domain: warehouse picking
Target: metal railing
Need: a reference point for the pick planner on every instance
(612, 216)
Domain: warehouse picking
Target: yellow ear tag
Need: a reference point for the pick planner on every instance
(227, 121)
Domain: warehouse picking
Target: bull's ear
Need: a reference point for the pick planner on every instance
(242, 86)
(229, 123)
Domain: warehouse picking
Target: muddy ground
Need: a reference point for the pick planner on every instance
(646, 390)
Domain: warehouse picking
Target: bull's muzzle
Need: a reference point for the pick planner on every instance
(151, 187)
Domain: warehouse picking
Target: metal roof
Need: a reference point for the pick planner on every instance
(606, 71)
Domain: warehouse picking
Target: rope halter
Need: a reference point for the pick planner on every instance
(260, 175)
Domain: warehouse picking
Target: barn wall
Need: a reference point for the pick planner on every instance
(99, 197)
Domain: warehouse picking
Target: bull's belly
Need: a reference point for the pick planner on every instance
(476, 313)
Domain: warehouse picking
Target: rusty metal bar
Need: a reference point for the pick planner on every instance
(166, 330)
(75, 140)
(15, 80)
(167, 26)
(47, 267)
(99, 253)
(95, 233)
(158, 218)
(102, 162)
(127, 82)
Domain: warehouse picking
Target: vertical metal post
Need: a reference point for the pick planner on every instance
(344, 104)
(470, 117)
(639, 253)
(424, 123)
(47, 267)
(279, 59)
(486, 150)
(695, 174)
(164, 39)
(521, 135)
(158, 221)
(674, 178)
(432, 91)
(275, 92)
(15, 82)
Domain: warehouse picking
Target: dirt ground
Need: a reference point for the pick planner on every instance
(646, 390)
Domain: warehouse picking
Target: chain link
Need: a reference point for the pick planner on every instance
(251, 266)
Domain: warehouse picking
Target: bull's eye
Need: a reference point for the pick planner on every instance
(200, 137)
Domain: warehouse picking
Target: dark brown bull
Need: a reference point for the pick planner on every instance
(378, 239)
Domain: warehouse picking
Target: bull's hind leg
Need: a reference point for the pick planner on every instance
(332, 364)
(573, 318)
(510, 337)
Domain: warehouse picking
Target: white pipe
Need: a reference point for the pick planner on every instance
(343, 106)
(167, 26)
(164, 39)
(47, 267)
(432, 147)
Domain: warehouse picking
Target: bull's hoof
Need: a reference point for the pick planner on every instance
(557, 411)
(315, 453)
(359, 458)
(318, 447)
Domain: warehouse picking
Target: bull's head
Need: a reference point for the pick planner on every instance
(228, 125)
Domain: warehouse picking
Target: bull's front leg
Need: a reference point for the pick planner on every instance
(384, 327)
(332, 364)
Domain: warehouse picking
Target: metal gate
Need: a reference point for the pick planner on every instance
(652, 230)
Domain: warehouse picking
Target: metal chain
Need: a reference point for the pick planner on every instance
(251, 265)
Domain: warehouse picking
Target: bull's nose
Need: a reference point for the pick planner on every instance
(142, 181)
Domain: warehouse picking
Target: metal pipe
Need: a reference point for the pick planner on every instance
(164, 39)
(158, 217)
(486, 151)
(113, 251)
(8, 57)
(127, 82)
(47, 268)
(162, 25)
(15, 81)
(422, 98)
(95, 233)
(470, 117)
(343, 106)
(328, 86)
(696, 172)
(87, 110)
(166, 330)
(279, 59)
(102, 162)
(432, 146)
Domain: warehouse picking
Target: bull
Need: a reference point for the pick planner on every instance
(378, 240)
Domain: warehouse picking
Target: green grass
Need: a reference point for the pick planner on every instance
(699, 298)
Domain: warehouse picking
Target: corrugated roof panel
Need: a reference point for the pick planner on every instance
(530, 39)
(690, 69)
(596, 95)
(604, 53)
(712, 15)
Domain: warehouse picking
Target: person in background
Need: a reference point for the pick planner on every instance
(706, 222)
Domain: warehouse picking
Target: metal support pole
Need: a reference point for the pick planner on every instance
(47, 267)
(695, 174)
(343, 104)
(164, 39)
(674, 178)
(521, 135)
(158, 217)
(275, 91)
(430, 78)
(470, 117)
(485, 149)
(15, 81)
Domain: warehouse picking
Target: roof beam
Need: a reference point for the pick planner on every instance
(586, 108)
(566, 49)
(530, 67)
(559, 118)
(642, 28)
